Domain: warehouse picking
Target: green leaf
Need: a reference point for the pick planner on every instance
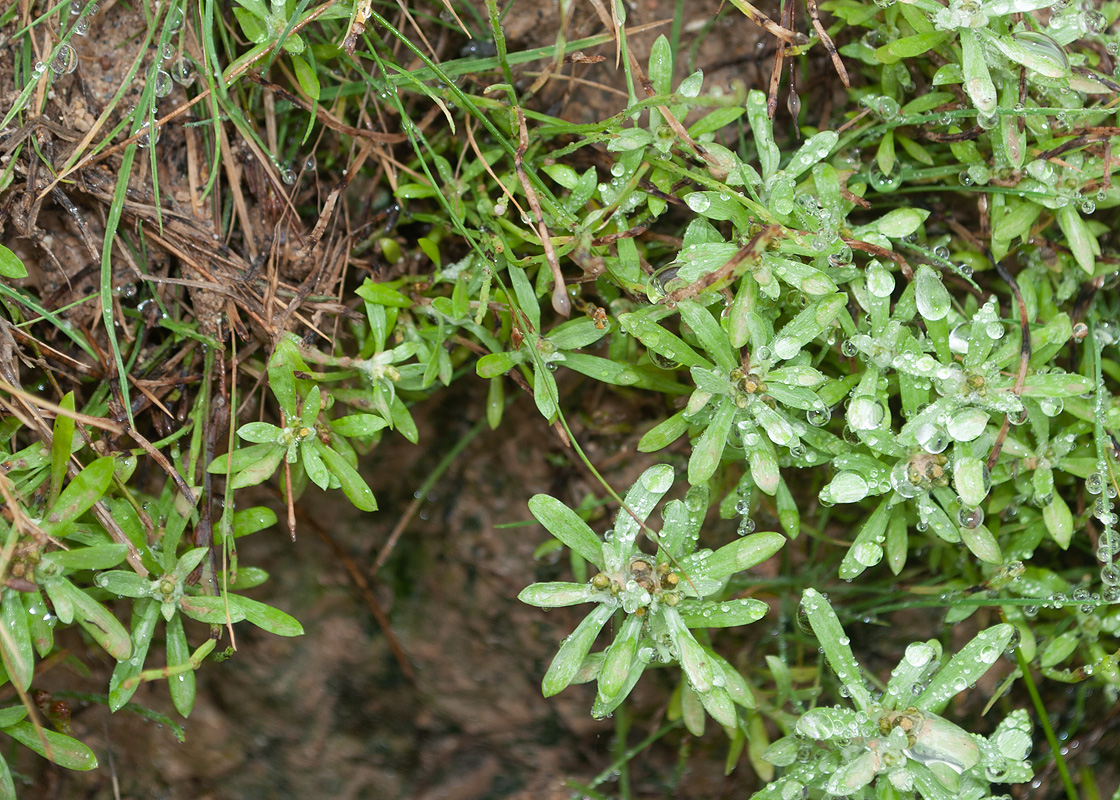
(573, 650)
(212, 610)
(911, 46)
(620, 657)
(258, 471)
(97, 621)
(661, 341)
(900, 222)
(708, 448)
(966, 667)
(182, 684)
(712, 337)
(281, 376)
(722, 614)
(124, 584)
(831, 636)
(739, 555)
(565, 525)
(977, 79)
(1059, 521)
(62, 750)
(15, 639)
(1082, 243)
(266, 617)
(101, 556)
(867, 550)
(762, 126)
(884, 155)
(144, 616)
(559, 594)
(251, 520)
(62, 438)
(241, 458)
(382, 295)
(576, 333)
(493, 365)
(650, 487)
(358, 425)
(10, 265)
(313, 464)
(663, 433)
(353, 486)
(694, 661)
(970, 480)
(305, 74)
(87, 487)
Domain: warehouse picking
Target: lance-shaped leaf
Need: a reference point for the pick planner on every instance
(665, 344)
(963, 670)
(101, 556)
(733, 682)
(911, 669)
(639, 502)
(664, 433)
(213, 610)
(977, 79)
(559, 594)
(808, 325)
(573, 650)
(867, 549)
(101, 625)
(722, 614)
(762, 127)
(620, 658)
(565, 525)
(694, 661)
(144, 616)
(181, 685)
(737, 556)
(15, 639)
(712, 337)
(62, 750)
(709, 446)
(353, 485)
(603, 706)
(1082, 243)
(266, 617)
(87, 487)
(830, 634)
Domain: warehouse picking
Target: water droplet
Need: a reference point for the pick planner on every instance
(866, 413)
(182, 71)
(881, 182)
(81, 27)
(970, 518)
(930, 294)
(162, 83)
(148, 135)
(818, 417)
(65, 60)
(1051, 406)
(698, 202)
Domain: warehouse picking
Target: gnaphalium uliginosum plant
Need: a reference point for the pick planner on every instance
(659, 598)
(899, 736)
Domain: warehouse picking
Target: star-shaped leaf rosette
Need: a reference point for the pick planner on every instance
(659, 598)
(896, 744)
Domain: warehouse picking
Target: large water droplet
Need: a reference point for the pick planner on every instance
(930, 294)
